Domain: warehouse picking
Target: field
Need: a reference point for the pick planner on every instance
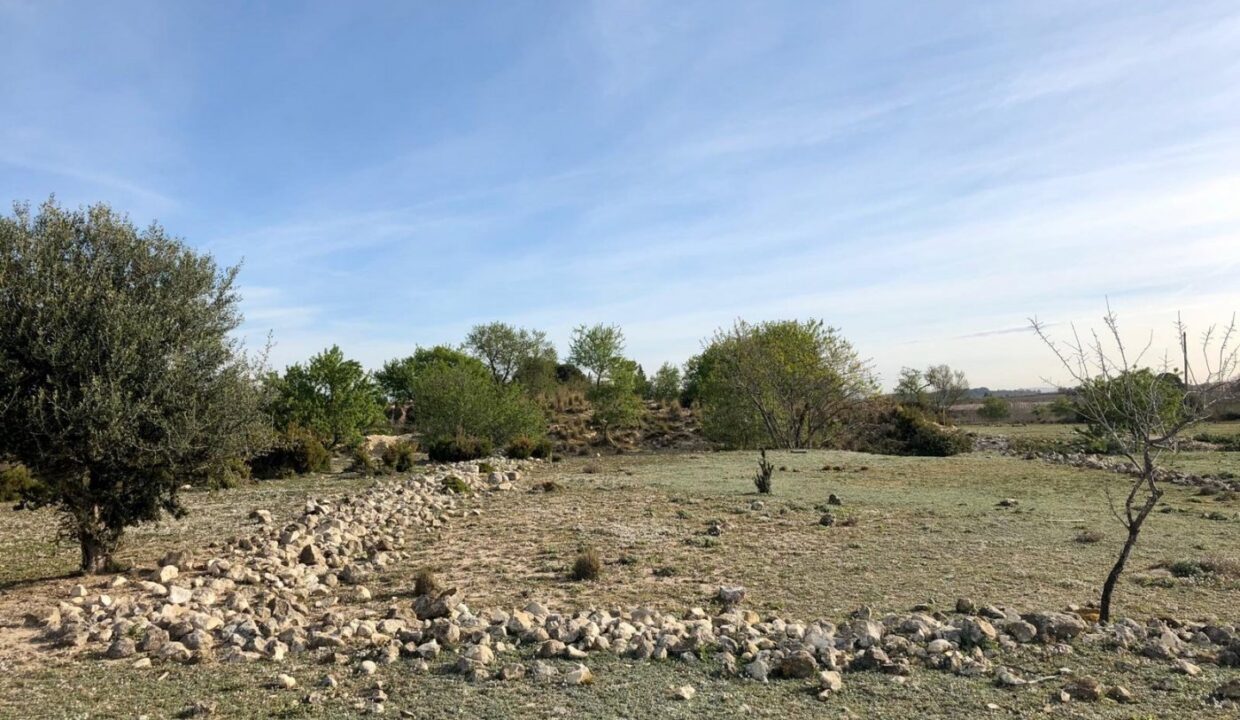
(918, 530)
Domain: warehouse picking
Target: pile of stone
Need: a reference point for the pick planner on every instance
(281, 588)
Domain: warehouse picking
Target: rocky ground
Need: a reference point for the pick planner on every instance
(286, 593)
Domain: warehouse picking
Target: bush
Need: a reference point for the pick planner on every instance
(1087, 537)
(454, 484)
(297, 451)
(588, 565)
(399, 455)
(362, 462)
(1230, 443)
(424, 583)
(995, 408)
(523, 447)
(14, 481)
(458, 448)
(762, 479)
(465, 400)
(229, 475)
(903, 430)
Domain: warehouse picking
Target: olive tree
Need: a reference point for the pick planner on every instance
(786, 383)
(330, 395)
(119, 378)
(596, 349)
(1141, 412)
(504, 348)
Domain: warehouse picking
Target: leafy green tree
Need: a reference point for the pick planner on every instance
(120, 380)
(332, 396)
(785, 383)
(995, 408)
(503, 348)
(596, 350)
(465, 399)
(666, 384)
(617, 404)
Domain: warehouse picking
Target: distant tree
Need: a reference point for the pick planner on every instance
(642, 384)
(617, 403)
(596, 350)
(911, 389)
(947, 387)
(790, 380)
(443, 355)
(395, 380)
(120, 379)
(666, 384)
(503, 348)
(332, 396)
(1142, 412)
(995, 408)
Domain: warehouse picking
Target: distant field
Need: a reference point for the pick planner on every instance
(926, 531)
(1054, 431)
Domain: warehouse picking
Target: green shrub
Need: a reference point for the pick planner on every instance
(458, 448)
(904, 430)
(995, 408)
(1230, 443)
(454, 484)
(362, 462)
(399, 455)
(465, 400)
(587, 566)
(14, 481)
(297, 451)
(229, 475)
(524, 447)
(330, 395)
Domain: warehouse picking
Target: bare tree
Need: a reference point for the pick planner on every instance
(947, 387)
(1140, 412)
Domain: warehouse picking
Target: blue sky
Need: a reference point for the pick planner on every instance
(925, 176)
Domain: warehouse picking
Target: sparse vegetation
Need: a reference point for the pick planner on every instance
(587, 565)
(400, 455)
(425, 583)
(457, 448)
(295, 451)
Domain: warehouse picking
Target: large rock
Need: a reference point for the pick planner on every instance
(1056, 626)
